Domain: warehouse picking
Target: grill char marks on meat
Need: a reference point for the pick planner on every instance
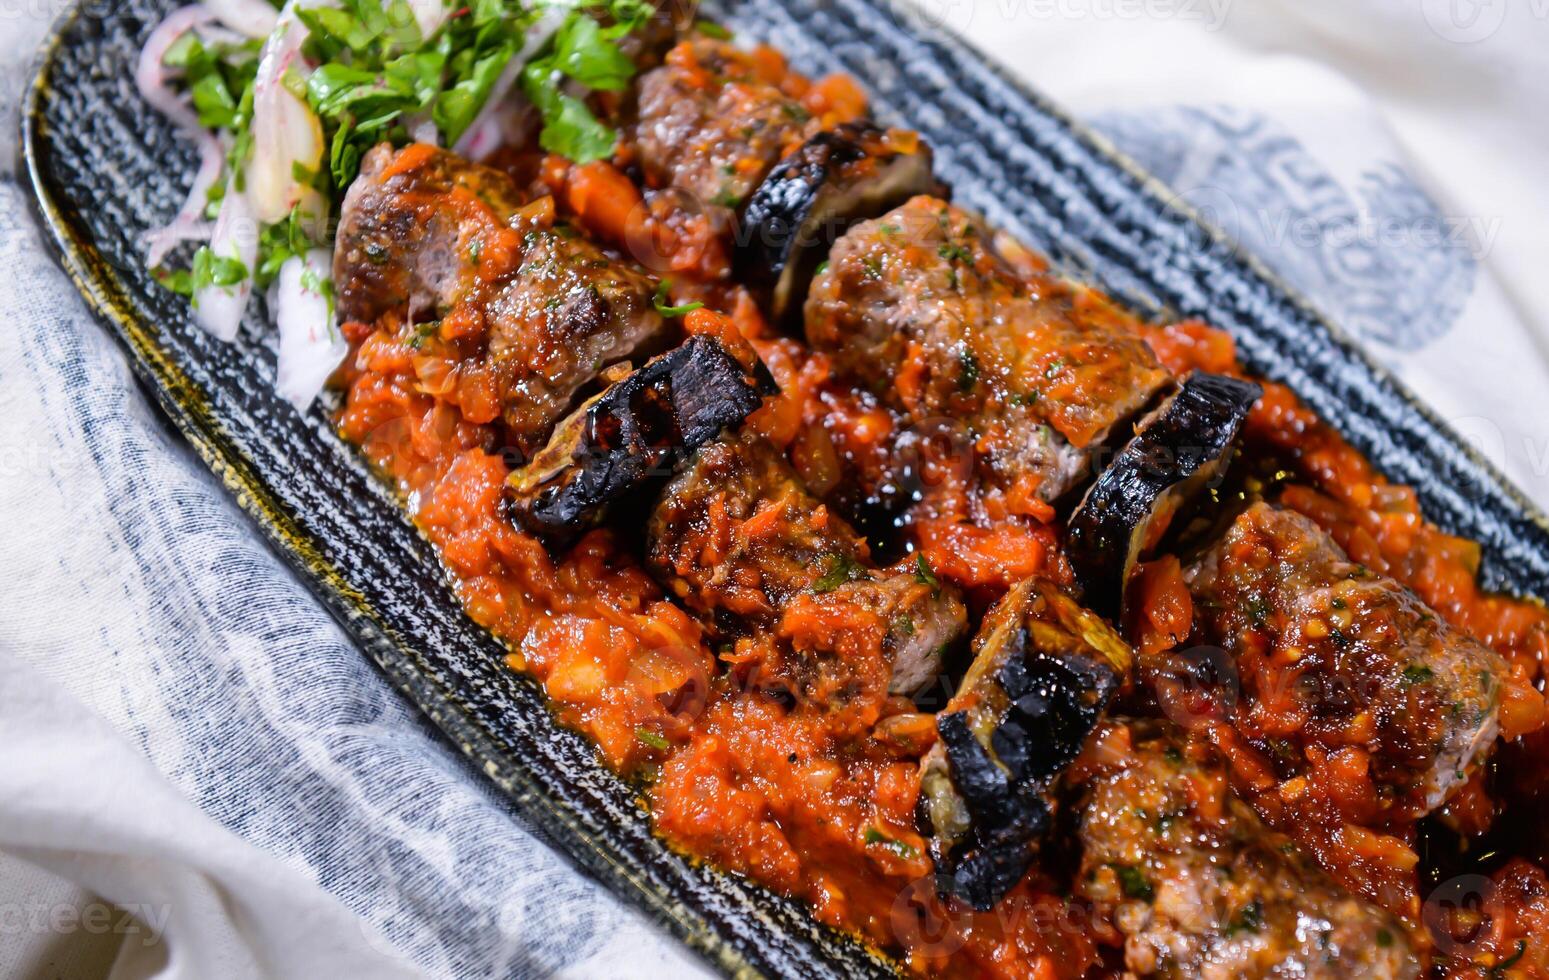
(1043, 672)
(1201, 888)
(532, 310)
(1357, 662)
(921, 307)
(837, 178)
(740, 541)
(712, 124)
(401, 244)
(634, 433)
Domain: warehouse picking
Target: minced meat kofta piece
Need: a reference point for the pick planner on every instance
(1199, 887)
(404, 228)
(741, 541)
(539, 308)
(922, 308)
(1331, 655)
(712, 123)
(1043, 673)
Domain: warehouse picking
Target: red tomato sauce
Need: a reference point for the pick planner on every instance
(798, 802)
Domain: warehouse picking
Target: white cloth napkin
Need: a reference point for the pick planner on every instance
(185, 732)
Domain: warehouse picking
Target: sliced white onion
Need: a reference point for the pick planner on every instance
(311, 347)
(287, 135)
(218, 309)
(250, 18)
(480, 132)
(187, 224)
(150, 74)
(429, 15)
(150, 77)
(422, 129)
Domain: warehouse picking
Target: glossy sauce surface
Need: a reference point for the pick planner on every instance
(812, 804)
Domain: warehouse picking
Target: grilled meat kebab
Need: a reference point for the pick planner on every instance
(1330, 654)
(738, 539)
(540, 309)
(1201, 888)
(919, 306)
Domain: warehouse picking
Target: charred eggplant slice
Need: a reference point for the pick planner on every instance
(839, 177)
(1177, 450)
(1044, 670)
(636, 430)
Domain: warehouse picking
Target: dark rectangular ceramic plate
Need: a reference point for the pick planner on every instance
(104, 168)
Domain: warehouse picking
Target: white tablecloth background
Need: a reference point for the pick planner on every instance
(184, 732)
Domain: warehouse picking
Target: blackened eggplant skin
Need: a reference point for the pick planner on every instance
(1043, 673)
(633, 433)
(852, 173)
(1177, 450)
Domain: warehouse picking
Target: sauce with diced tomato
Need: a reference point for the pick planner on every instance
(801, 802)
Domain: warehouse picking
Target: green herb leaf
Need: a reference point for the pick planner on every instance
(968, 371)
(1499, 969)
(652, 739)
(924, 575)
(1134, 882)
(213, 101)
(280, 242)
(456, 108)
(582, 52)
(1249, 918)
(208, 269)
(1417, 674)
(841, 569)
(662, 307)
(902, 848)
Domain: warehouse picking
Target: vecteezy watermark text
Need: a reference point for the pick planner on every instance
(141, 921)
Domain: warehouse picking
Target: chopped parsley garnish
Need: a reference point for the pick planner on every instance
(710, 28)
(924, 575)
(666, 310)
(1134, 882)
(1417, 674)
(280, 242)
(901, 848)
(369, 75)
(903, 626)
(1384, 938)
(953, 252)
(648, 737)
(423, 332)
(1499, 969)
(1249, 918)
(968, 371)
(794, 111)
(208, 269)
(841, 569)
